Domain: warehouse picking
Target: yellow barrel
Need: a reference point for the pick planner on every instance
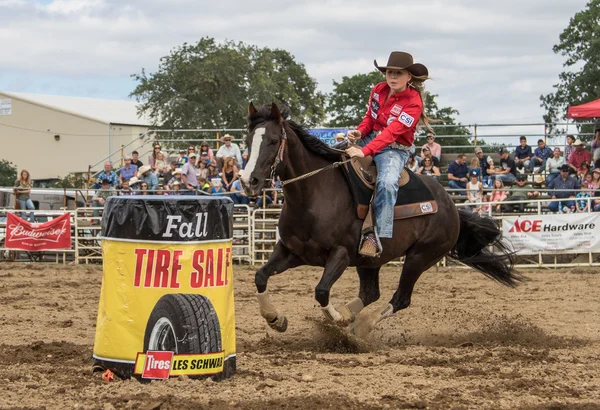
(166, 305)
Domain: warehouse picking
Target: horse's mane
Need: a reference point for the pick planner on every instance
(311, 143)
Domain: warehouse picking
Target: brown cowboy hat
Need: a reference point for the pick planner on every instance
(399, 60)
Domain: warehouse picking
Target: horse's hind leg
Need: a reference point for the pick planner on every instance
(280, 260)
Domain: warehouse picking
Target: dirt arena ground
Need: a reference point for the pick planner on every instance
(465, 343)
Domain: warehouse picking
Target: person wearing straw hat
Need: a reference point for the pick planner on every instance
(229, 149)
(387, 133)
(146, 175)
(579, 156)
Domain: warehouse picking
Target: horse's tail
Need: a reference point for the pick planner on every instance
(476, 235)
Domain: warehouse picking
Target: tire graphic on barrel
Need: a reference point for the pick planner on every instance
(183, 324)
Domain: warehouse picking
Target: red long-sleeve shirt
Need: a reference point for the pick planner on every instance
(396, 118)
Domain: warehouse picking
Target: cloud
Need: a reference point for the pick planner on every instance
(490, 60)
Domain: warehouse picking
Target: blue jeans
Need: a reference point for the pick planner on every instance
(506, 177)
(27, 204)
(554, 206)
(240, 199)
(536, 163)
(551, 176)
(389, 162)
(488, 181)
(458, 185)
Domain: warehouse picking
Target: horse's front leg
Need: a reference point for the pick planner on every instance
(336, 264)
(280, 260)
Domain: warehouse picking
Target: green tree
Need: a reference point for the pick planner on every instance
(347, 103)
(209, 85)
(73, 180)
(580, 82)
(8, 173)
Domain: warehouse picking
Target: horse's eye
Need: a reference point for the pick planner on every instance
(273, 141)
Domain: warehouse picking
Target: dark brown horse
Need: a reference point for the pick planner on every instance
(319, 226)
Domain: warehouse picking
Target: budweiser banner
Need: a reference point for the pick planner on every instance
(54, 234)
(560, 233)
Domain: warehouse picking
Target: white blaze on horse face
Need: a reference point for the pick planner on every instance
(259, 133)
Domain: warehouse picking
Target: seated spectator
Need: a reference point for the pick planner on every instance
(135, 160)
(107, 174)
(269, 196)
(434, 147)
(595, 144)
(229, 149)
(583, 170)
(244, 158)
(457, 173)
(160, 164)
(474, 193)
(230, 172)
(508, 171)
(175, 188)
(484, 166)
(128, 171)
(213, 172)
(144, 189)
(182, 159)
(203, 159)
(412, 163)
(126, 189)
(474, 166)
(581, 199)
(204, 147)
(202, 170)
(523, 154)
(427, 154)
(169, 173)
(145, 174)
(101, 195)
(498, 195)
(540, 156)
(521, 191)
(176, 178)
(162, 190)
(204, 185)
(427, 168)
(192, 149)
(588, 181)
(579, 156)
(238, 195)
(217, 187)
(553, 165)
(564, 200)
(134, 184)
(154, 155)
(595, 184)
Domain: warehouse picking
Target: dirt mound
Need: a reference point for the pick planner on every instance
(38, 352)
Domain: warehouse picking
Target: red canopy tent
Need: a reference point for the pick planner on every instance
(588, 110)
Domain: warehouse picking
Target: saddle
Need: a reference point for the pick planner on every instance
(414, 197)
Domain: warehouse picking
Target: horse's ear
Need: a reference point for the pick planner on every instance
(275, 113)
(251, 109)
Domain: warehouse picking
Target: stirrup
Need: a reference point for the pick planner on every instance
(370, 245)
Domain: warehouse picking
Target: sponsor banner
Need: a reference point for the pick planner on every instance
(54, 234)
(560, 233)
(162, 365)
(166, 304)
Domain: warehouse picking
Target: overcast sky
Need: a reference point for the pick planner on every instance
(489, 59)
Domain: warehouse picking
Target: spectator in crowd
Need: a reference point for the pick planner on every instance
(229, 149)
(175, 188)
(427, 154)
(202, 170)
(412, 163)
(160, 164)
(213, 172)
(595, 185)
(583, 170)
(22, 189)
(204, 147)
(582, 203)
(540, 156)
(188, 174)
(434, 147)
(230, 172)
(578, 156)
(553, 165)
(154, 155)
(457, 173)
(204, 158)
(587, 180)
(521, 191)
(217, 187)
(162, 190)
(135, 160)
(144, 188)
(245, 158)
(176, 178)
(508, 171)
(134, 184)
(427, 168)
(595, 144)
(126, 189)
(268, 197)
(523, 154)
(563, 191)
(182, 159)
(128, 171)
(238, 195)
(204, 185)
(484, 166)
(145, 174)
(474, 167)
(169, 173)
(474, 193)
(499, 194)
(109, 174)
(191, 149)
(569, 148)
(100, 197)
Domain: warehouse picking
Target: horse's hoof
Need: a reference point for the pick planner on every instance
(280, 324)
